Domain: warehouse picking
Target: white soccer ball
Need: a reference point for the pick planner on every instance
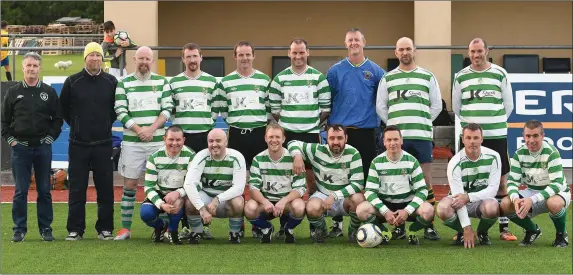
(369, 235)
(120, 36)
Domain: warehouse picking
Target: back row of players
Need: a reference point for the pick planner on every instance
(299, 99)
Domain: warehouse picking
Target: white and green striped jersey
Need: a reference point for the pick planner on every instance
(224, 178)
(483, 97)
(165, 174)
(411, 100)
(540, 171)
(400, 181)
(341, 176)
(244, 100)
(193, 99)
(299, 99)
(141, 102)
(275, 179)
(478, 178)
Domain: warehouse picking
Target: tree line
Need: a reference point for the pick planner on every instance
(46, 12)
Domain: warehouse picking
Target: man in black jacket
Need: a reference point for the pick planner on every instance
(87, 101)
(31, 121)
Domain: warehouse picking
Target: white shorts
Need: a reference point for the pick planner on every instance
(337, 207)
(116, 72)
(133, 159)
(221, 211)
(473, 208)
(541, 206)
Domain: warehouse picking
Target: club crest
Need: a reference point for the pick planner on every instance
(367, 75)
(44, 96)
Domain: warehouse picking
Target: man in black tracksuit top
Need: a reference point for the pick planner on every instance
(87, 101)
(31, 121)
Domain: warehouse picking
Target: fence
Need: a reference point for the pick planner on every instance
(263, 48)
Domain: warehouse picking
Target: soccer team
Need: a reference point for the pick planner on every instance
(194, 172)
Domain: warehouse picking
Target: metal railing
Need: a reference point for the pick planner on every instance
(259, 48)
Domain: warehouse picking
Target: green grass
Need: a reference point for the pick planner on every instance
(48, 68)
(139, 255)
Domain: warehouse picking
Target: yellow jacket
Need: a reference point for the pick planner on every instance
(3, 54)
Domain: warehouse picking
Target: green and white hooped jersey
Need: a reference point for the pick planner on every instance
(398, 181)
(193, 99)
(244, 100)
(482, 99)
(275, 179)
(141, 102)
(299, 99)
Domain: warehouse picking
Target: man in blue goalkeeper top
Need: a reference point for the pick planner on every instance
(353, 84)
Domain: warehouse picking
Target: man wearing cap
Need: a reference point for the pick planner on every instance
(87, 102)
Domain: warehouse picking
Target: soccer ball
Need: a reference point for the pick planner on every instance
(120, 36)
(369, 235)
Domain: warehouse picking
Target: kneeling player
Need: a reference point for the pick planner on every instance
(275, 191)
(220, 175)
(396, 191)
(473, 174)
(164, 177)
(537, 164)
(338, 171)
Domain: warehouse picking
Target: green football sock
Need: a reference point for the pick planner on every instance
(559, 220)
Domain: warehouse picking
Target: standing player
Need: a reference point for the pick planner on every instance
(244, 104)
(340, 180)
(5, 60)
(482, 94)
(353, 82)
(473, 175)
(395, 189)
(164, 178)
(275, 191)
(537, 164)
(409, 97)
(143, 104)
(299, 97)
(214, 183)
(194, 92)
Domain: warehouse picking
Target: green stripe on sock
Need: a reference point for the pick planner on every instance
(485, 224)
(559, 220)
(318, 223)
(454, 223)
(127, 206)
(525, 223)
(354, 221)
(418, 224)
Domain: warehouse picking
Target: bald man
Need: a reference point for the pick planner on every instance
(409, 97)
(214, 183)
(143, 104)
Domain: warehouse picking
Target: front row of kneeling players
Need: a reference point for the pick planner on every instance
(214, 180)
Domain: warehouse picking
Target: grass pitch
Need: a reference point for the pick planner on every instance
(139, 255)
(48, 68)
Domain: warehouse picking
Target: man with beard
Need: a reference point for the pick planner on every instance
(482, 94)
(275, 191)
(353, 82)
(87, 101)
(537, 165)
(194, 93)
(409, 97)
(338, 171)
(143, 104)
(214, 183)
(164, 178)
(299, 97)
(473, 175)
(395, 189)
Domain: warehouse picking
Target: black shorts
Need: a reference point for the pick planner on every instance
(398, 206)
(249, 142)
(197, 141)
(364, 140)
(304, 137)
(148, 201)
(500, 146)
